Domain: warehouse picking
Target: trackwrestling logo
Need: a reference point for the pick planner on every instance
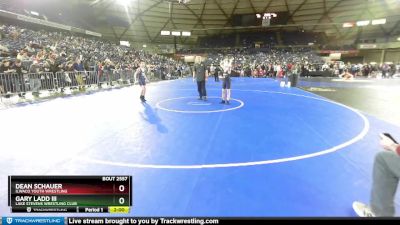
(33, 220)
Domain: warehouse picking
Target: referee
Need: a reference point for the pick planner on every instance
(200, 73)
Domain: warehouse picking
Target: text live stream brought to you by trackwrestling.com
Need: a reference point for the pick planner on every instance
(172, 220)
(105, 220)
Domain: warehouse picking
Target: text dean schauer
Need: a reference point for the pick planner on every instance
(38, 186)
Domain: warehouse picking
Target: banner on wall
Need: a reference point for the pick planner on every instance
(335, 56)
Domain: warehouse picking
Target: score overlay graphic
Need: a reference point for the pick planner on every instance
(70, 194)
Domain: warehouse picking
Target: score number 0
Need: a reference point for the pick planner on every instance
(121, 200)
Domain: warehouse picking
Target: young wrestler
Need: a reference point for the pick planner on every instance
(226, 84)
(140, 77)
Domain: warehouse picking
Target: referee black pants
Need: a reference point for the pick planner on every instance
(216, 77)
(201, 88)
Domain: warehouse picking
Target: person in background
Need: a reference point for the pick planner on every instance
(34, 78)
(4, 82)
(295, 73)
(22, 55)
(385, 175)
(346, 75)
(79, 72)
(214, 72)
(108, 68)
(19, 78)
(385, 70)
(288, 73)
(99, 71)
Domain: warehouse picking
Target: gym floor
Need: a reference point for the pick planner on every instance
(377, 97)
(274, 151)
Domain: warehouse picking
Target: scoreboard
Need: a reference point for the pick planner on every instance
(246, 20)
(70, 194)
(79, 194)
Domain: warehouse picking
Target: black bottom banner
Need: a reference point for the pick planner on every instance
(212, 221)
(183, 220)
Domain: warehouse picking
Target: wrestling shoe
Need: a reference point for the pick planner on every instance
(362, 210)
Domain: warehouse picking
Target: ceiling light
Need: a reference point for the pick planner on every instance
(378, 21)
(123, 2)
(347, 25)
(34, 13)
(176, 33)
(362, 23)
